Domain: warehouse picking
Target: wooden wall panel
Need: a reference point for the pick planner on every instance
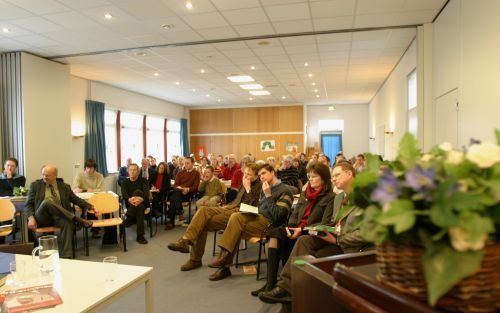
(221, 121)
(267, 119)
(196, 122)
(291, 119)
(245, 120)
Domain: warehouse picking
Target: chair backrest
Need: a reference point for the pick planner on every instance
(105, 203)
(224, 187)
(7, 210)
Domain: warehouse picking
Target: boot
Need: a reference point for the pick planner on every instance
(225, 259)
(273, 263)
(181, 245)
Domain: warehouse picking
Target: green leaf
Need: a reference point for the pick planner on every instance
(497, 133)
(476, 225)
(364, 179)
(408, 151)
(466, 201)
(400, 214)
(444, 267)
(443, 216)
(372, 163)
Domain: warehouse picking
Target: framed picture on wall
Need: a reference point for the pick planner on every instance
(267, 145)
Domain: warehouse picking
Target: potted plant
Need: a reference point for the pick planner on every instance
(435, 218)
(20, 191)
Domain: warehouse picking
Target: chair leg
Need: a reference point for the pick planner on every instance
(237, 256)
(124, 233)
(259, 257)
(150, 222)
(215, 240)
(86, 241)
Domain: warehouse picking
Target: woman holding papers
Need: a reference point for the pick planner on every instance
(315, 207)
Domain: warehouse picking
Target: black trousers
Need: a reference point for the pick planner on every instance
(51, 214)
(135, 215)
(176, 199)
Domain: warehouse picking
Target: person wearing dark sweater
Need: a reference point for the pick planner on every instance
(9, 179)
(186, 183)
(215, 218)
(274, 205)
(288, 174)
(135, 192)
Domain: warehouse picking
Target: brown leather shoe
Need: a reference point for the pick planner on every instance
(181, 245)
(225, 258)
(220, 274)
(169, 226)
(85, 223)
(190, 265)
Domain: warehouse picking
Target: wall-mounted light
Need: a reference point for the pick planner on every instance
(77, 129)
(389, 133)
(371, 138)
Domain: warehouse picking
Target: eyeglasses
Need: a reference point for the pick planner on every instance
(336, 175)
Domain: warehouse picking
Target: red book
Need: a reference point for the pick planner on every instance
(30, 298)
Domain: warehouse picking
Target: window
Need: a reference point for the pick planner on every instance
(110, 137)
(155, 141)
(173, 138)
(412, 103)
(131, 137)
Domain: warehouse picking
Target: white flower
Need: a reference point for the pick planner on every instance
(455, 157)
(427, 157)
(446, 146)
(460, 240)
(484, 154)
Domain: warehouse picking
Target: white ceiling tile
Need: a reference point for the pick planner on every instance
(424, 5)
(233, 54)
(274, 2)
(274, 58)
(183, 36)
(147, 9)
(297, 26)
(334, 8)
(255, 29)
(329, 38)
(205, 20)
(72, 20)
(333, 23)
(376, 20)
(38, 41)
(248, 61)
(41, 7)
(7, 44)
(368, 44)
(14, 30)
(37, 24)
(78, 4)
(300, 49)
(278, 50)
(417, 17)
(233, 45)
(217, 33)
(298, 40)
(246, 16)
(233, 5)
(148, 40)
(11, 12)
(297, 11)
(379, 6)
(119, 16)
(199, 6)
(337, 46)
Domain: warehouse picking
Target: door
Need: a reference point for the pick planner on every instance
(446, 118)
(331, 144)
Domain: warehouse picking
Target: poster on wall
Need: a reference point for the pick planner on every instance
(201, 151)
(292, 147)
(267, 145)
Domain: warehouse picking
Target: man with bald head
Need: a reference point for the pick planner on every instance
(49, 204)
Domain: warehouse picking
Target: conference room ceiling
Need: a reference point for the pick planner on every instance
(159, 48)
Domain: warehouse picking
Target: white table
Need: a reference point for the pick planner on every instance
(82, 287)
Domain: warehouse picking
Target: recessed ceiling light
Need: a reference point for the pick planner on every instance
(314, 84)
(194, 90)
(315, 90)
(108, 16)
(156, 74)
(177, 83)
(331, 108)
(309, 75)
(250, 98)
(202, 71)
(168, 26)
(189, 5)
(5, 30)
(219, 100)
(259, 92)
(317, 96)
(252, 67)
(140, 53)
(240, 78)
(207, 95)
(306, 64)
(251, 86)
(283, 97)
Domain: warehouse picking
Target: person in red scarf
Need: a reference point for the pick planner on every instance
(315, 207)
(159, 182)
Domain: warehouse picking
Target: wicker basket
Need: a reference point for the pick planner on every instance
(400, 267)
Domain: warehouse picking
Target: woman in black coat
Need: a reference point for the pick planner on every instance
(159, 183)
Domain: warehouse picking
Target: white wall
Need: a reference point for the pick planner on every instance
(46, 98)
(388, 107)
(116, 98)
(355, 116)
(466, 56)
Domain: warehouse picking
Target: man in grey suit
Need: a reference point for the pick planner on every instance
(49, 204)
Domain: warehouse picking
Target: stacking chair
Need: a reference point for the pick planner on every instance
(107, 203)
(7, 211)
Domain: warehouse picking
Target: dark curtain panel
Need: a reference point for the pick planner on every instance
(184, 137)
(95, 142)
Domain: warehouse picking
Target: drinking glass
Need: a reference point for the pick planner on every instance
(48, 253)
(110, 267)
(17, 271)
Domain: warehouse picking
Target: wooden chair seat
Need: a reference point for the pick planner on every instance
(6, 230)
(107, 222)
(49, 229)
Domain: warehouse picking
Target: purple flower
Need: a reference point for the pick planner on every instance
(419, 179)
(388, 188)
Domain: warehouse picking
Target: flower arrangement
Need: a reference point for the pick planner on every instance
(20, 191)
(447, 200)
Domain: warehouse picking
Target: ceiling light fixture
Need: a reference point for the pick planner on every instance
(202, 71)
(263, 43)
(331, 108)
(177, 83)
(306, 64)
(156, 74)
(283, 97)
(219, 100)
(5, 30)
(140, 54)
(259, 92)
(317, 96)
(108, 16)
(314, 84)
(189, 5)
(207, 95)
(168, 26)
(309, 75)
(251, 86)
(240, 78)
(252, 67)
(194, 90)
(250, 98)
(315, 90)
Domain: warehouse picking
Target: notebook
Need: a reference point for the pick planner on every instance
(245, 208)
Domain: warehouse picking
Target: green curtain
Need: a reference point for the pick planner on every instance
(95, 141)
(184, 138)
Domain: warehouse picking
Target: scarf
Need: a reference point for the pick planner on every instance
(311, 196)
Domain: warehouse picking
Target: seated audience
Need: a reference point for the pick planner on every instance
(215, 164)
(237, 180)
(360, 165)
(49, 204)
(9, 179)
(160, 186)
(215, 218)
(123, 172)
(274, 205)
(180, 166)
(347, 240)
(302, 171)
(203, 165)
(288, 174)
(315, 207)
(145, 171)
(211, 189)
(272, 161)
(135, 192)
(231, 167)
(186, 183)
(152, 162)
